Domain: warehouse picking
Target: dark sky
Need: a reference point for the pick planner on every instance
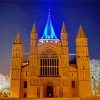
(19, 16)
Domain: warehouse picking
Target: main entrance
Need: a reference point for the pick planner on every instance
(49, 91)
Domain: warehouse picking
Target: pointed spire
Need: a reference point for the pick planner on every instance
(49, 30)
(63, 28)
(34, 28)
(49, 13)
(64, 34)
(18, 39)
(81, 33)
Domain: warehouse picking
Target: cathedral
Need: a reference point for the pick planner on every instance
(48, 70)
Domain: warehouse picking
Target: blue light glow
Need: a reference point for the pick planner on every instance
(49, 30)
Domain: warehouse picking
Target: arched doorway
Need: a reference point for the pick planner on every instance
(49, 91)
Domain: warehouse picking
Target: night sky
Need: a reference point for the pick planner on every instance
(20, 15)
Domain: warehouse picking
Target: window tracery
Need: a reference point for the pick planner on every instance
(49, 63)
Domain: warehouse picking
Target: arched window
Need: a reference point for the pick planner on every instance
(25, 84)
(73, 84)
(49, 63)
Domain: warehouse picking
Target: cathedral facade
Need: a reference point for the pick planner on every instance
(49, 70)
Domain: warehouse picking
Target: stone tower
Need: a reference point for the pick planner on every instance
(17, 61)
(33, 63)
(83, 63)
(64, 60)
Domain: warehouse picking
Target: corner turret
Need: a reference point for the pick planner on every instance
(17, 62)
(64, 36)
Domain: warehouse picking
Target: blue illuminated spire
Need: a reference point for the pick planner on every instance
(49, 30)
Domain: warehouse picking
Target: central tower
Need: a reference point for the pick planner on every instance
(49, 63)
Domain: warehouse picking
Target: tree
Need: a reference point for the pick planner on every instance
(4, 85)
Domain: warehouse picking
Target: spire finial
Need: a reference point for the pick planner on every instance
(18, 38)
(34, 24)
(81, 33)
(63, 23)
(63, 28)
(49, 11)
(34, 28)
(49, 30)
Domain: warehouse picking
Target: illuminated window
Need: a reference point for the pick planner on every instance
(56, 41)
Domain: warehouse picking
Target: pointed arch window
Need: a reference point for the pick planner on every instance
(49, 63)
